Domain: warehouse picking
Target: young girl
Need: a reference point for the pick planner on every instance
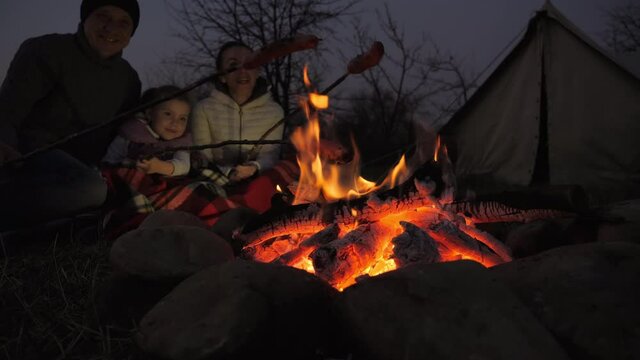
(141, 140)
(143, 175)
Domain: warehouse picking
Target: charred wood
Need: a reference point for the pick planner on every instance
(309, 219)
(340, 261)
(301, 219)
(570, 198)
(489, 240)
(453, 238)
(493, 211)
(414, 245)
(308, 245)
(271, 249)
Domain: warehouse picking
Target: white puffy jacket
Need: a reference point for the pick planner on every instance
(219, 118)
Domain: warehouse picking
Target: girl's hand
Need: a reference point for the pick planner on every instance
(144, 165)
(242, 172)
(155, 166)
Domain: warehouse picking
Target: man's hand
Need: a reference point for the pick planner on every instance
(8, 153)
(242, 172)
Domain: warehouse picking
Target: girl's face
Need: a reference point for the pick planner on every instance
(169, 119)
(242, 80)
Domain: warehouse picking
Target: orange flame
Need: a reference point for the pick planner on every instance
(319, 101)
(321, 180)
(305, 76)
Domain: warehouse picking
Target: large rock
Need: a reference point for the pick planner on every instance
(534, 237)
(623, 222)
(242, 310)
(232, 221)
(149, 263)
(586, 295)
(168, 253)
(537, 236)
(453, 310)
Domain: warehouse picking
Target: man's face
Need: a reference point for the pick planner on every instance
(108, 30)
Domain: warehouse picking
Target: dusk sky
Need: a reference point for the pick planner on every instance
(473, 30)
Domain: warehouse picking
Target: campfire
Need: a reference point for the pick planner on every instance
(343, 226)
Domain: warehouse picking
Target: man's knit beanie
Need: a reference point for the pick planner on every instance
(130, 6)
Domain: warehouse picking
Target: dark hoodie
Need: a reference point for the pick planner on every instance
(58, 85)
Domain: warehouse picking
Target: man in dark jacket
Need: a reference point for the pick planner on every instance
(58, 85)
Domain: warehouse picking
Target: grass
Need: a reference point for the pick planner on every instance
(49, 283)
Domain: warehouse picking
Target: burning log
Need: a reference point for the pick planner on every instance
(493, 211)
(489, 240)
(416, 205)
(308, 245)
(304, 219)
(309, 219)
(414, 245)
(570, 198)
(272, 249)
(340, 262)
(453, 238)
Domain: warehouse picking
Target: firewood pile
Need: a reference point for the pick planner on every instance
(342, 241)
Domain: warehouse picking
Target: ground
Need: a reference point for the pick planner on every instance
(49, 278)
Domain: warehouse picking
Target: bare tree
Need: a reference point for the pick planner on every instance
(168, 72)
(623, 27)
(207, 24)
(413, 83)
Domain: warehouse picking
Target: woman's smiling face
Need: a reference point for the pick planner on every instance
(241, 81)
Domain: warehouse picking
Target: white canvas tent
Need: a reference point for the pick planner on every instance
(557, 110)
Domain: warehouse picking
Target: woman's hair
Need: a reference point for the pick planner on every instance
(224, 47)
(160, 92)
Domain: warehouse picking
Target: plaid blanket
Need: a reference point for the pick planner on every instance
(205, 193)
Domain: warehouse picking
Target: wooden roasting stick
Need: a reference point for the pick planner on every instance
(263, 56)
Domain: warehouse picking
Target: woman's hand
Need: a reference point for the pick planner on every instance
(242, 172)
(155, 166)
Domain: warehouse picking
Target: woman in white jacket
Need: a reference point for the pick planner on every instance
(240, 107)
